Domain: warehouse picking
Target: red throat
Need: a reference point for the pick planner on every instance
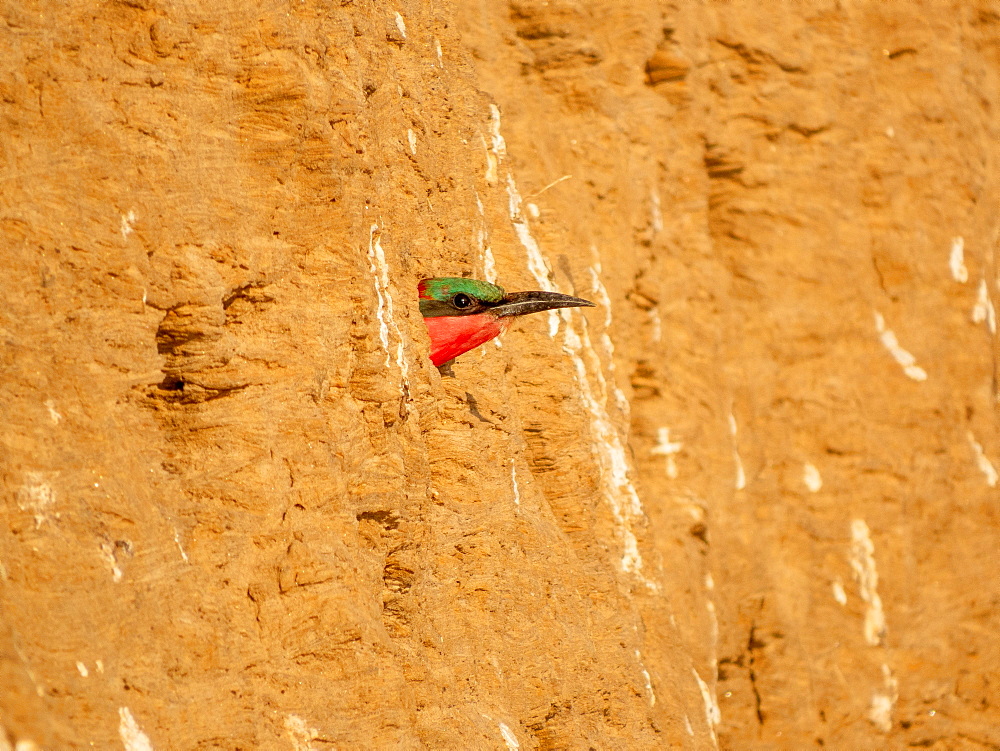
(453, 335)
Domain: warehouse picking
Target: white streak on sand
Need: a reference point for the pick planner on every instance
(838, 592)
(383, 325)
(618, 490)
(536, 261)
(667, 448)
(385, 314)
(648, 679)
(497, 142)
(177, 541)
(812, 478)
(983, 310)
(508, 737)
(741, 477)
(489, 265)
(956, 260)
(299, 733)
(126, 225)
(657, 214)
(497, 149)
(880, 711)
(712, 714)
(603, 299)
(714, 622)
(53, 414)
(862, 560)
(131, 734)
(537, 265)
(983, 461)
(654, 320)
(901, 356)
(36, 496)
(108, 553)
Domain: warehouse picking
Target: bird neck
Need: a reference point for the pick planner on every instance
(453, 335)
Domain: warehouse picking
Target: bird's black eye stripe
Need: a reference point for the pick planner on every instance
(461, 301)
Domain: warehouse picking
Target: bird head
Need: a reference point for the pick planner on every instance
(463, 313)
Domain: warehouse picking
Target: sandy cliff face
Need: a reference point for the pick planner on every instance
(750, 501)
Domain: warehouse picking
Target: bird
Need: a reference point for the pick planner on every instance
(462, 313)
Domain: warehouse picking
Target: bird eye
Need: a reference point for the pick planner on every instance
(461, 300)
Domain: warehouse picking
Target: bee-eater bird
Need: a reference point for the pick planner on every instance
(463, 313)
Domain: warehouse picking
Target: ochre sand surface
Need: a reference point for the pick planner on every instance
(749, 501)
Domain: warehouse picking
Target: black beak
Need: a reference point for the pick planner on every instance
(521, 303)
